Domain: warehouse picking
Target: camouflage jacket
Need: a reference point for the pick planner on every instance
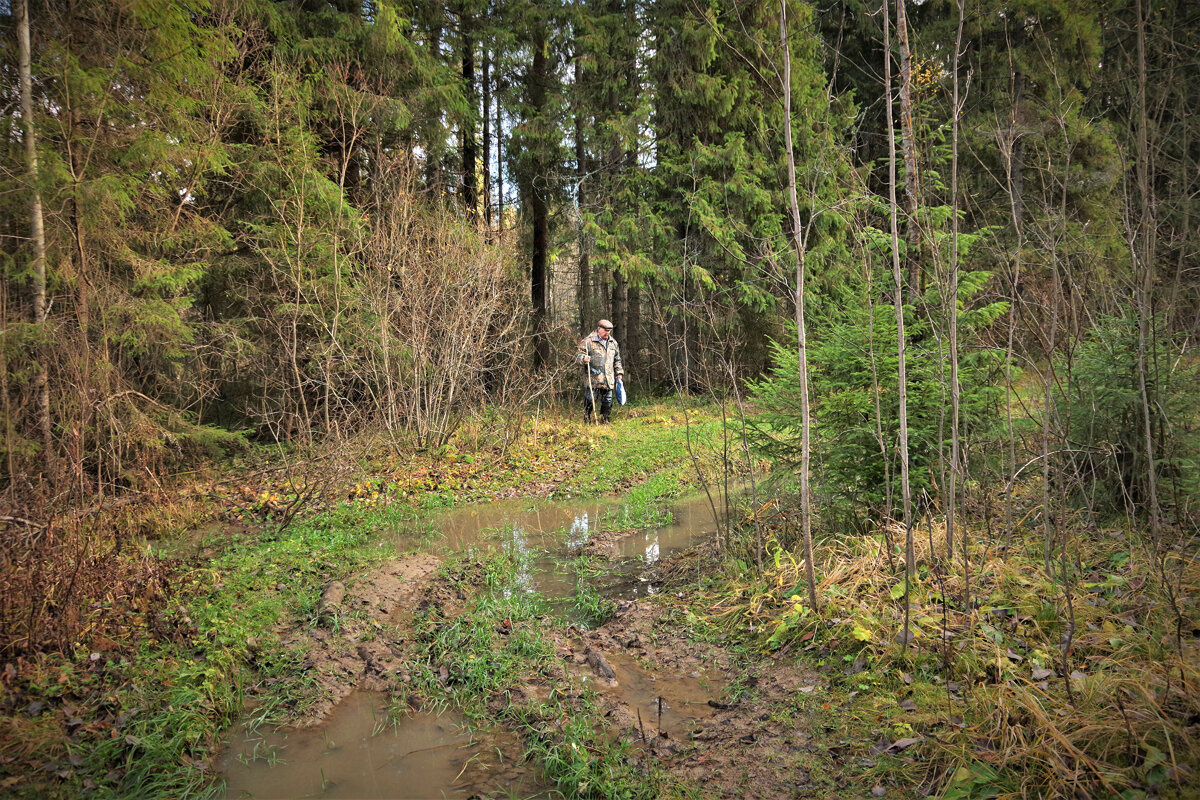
(605, 366)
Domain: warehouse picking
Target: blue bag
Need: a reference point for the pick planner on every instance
(620, 390)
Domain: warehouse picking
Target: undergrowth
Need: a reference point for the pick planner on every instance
(1028, 691)
(118, 681)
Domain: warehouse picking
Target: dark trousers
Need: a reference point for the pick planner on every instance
(604, 397)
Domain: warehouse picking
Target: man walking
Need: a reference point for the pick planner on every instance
(601, 356)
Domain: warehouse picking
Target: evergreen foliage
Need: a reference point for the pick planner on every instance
(226, 185)
(853, 359)
(1101, 407)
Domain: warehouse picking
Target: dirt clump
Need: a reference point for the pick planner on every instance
(601, 544)
(360, 640)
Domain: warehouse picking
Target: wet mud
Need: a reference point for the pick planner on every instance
(363, 752)
(742, 748)
(656, 688)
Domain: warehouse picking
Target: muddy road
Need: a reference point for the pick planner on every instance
(687, 708)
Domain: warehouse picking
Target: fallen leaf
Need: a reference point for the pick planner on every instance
(908, 704)
(1015, 656)
(807, 689)
(878, 791)
(906, 677)
(1041, 674)
(902, 744)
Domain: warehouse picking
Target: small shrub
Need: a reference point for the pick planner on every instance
(1101, 403)
(852, 471)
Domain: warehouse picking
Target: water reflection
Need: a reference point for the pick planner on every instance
(652, 551)
(359, 753)
(578, 535)
(545, 535)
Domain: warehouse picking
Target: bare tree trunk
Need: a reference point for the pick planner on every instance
(499, 165)
(952, 489)
(883, 454)
(801, 335)
(908, 138)
(898, 285)
(1009, 151)
(41, 383)
(5, 400)
(617, 309)
(1145, 255)
(540, 212)
(583, 293)
(633, 332)
(1048, 412)
(470, 147)
(486, 139)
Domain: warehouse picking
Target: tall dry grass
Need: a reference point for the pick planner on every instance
(1083, 683)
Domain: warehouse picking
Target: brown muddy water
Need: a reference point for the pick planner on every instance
(549, 533)
(360, 752)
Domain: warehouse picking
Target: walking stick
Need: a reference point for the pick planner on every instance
(587, 378)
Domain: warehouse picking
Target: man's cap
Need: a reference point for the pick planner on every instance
(606, 324)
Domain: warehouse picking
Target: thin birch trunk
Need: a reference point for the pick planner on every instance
(1009, 152)
(952, 489)
(801, 337)
(1048, 380)
(898, 285)
(883, 454)
(1145, 255)
(41, 383)
(909, 143)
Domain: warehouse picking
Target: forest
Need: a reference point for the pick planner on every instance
(907, 296)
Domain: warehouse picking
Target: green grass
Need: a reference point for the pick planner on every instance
(149, 723)
(499, 643)
(649, 447)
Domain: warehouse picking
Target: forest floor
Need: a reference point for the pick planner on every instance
(296, 593)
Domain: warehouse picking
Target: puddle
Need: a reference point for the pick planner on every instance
(549, 533)
(693, 523)
(684, 698)
(361, 754)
